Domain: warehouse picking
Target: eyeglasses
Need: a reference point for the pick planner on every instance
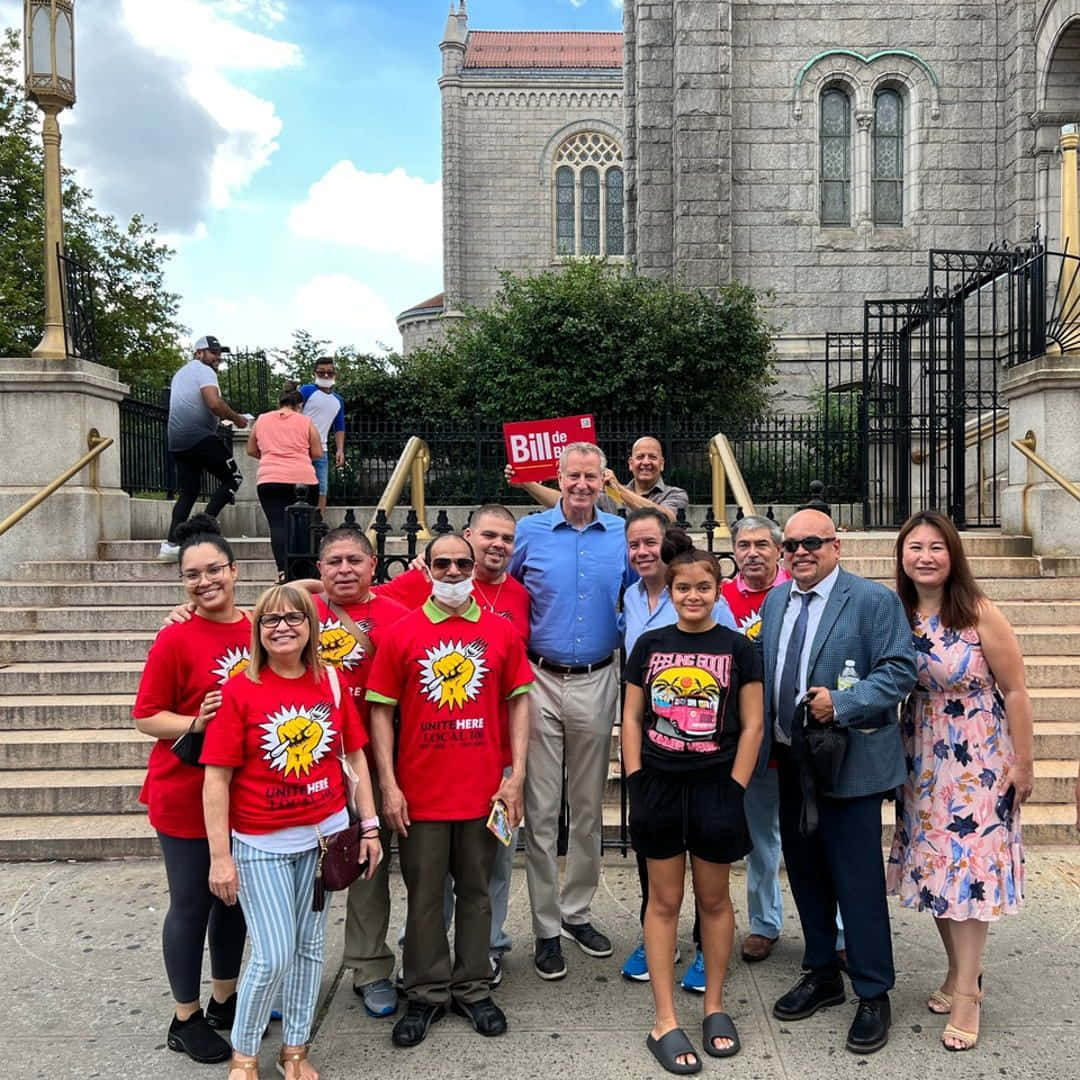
(211, 572)
(443, 562)
(276, 618)
(811, 543)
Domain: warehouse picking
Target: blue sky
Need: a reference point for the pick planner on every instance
(289, 149)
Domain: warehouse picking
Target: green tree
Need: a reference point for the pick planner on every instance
(136, 317)
(592, 338)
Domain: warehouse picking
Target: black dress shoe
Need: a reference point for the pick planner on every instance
(412, 1028)
(869, 1030)
(810, 993)
(485, 1016)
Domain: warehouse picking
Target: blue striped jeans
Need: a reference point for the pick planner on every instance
(287, 940)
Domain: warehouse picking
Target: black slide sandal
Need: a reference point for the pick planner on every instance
(669, 1047)
(719, 1025)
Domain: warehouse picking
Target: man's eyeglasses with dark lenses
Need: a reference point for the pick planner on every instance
(275, 618)
(444, 562)
(811, 543)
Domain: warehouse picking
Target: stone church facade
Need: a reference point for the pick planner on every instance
(813, 151)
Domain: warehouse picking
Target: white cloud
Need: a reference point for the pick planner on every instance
(336, 307)
(387, 213)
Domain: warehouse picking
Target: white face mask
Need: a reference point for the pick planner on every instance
(452, 593)
(323, 382)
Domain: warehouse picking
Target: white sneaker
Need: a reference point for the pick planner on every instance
(168, 552)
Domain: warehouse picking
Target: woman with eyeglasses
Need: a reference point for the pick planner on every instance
(276, 786)
(179, 692)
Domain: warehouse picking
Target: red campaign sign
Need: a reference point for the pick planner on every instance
(534, 447)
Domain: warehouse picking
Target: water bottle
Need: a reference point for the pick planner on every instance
(848, 677)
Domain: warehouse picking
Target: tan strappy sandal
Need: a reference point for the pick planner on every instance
(250, 1068)
(292, 1057)
(968, 1038)
(940, 1003)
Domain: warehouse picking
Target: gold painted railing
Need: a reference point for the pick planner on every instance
(412, 466)
(97, 443)
(1026, 446)
(725, 472)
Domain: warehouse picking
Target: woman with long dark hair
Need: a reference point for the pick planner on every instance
(286, 443)
(179, 693)
(967, 729)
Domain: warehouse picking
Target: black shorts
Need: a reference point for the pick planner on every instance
(672, 813)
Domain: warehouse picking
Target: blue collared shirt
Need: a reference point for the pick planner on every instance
(574, 577)
(637, 618)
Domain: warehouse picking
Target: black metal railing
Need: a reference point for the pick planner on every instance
(77, 300)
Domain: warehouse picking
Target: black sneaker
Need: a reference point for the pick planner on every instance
(496, 971)
(221, 1014)
(196, 1038)
(412, 1028)
(588, 938)
(485, 1016)
(548, 959)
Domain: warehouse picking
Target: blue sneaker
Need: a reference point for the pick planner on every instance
(636, 968)
(694, 979)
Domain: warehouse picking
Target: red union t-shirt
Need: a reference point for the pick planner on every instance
(746, 604)
(282, 737)
(450, 675)
(410, 589)
(510, 599)
(339, 648)
(186, 661)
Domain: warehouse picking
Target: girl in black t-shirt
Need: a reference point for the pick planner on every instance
(692, 725)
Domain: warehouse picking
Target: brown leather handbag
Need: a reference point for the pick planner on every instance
(339, 855)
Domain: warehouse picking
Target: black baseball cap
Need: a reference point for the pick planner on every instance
(211, 344)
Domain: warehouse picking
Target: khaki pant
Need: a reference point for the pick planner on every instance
(433, 849)
(367, 917)
(571, 716)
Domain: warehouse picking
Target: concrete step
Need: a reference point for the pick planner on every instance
(1039, 613)
(1044, 589)
(976, 544)
(108, 748)
(101, 677)
(71, 791)
(1055, 782)
(1036, 640)
(35, 712)
(128, 571)
(244, 547)
(74, 620)
(81, 837)
(52, 647)
(1053, 672)
(1008, 566)
(108, 594)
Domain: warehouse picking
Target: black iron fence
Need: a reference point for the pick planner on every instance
(77, 299)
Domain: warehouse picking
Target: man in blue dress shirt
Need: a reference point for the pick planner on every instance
(572, 560)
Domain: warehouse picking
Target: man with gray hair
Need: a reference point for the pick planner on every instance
(645, 488)
(572, 560)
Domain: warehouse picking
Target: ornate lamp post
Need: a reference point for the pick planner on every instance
(49, 44)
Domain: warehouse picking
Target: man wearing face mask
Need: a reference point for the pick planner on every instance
(326, 409)
(448, 667)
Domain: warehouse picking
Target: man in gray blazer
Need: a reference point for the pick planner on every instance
(811, 627)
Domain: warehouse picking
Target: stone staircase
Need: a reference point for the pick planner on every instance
(73, 637)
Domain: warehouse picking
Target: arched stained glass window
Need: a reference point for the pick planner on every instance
(590, 211)
(888, 166)
(589, 196)
(614, 211)
(835, 137)
(564, 210)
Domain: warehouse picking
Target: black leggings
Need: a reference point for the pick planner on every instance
(643, 879)
(274, 498)
(208, 455)
(193, 909)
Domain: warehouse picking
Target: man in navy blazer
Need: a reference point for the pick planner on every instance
(810, 627)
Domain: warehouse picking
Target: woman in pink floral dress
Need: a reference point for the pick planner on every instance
(968, 736)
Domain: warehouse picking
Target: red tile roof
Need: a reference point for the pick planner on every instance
(543, 49)
(438, 301)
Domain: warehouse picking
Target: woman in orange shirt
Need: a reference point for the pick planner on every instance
(286, 443)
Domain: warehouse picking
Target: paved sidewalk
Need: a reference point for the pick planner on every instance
(84, 994)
